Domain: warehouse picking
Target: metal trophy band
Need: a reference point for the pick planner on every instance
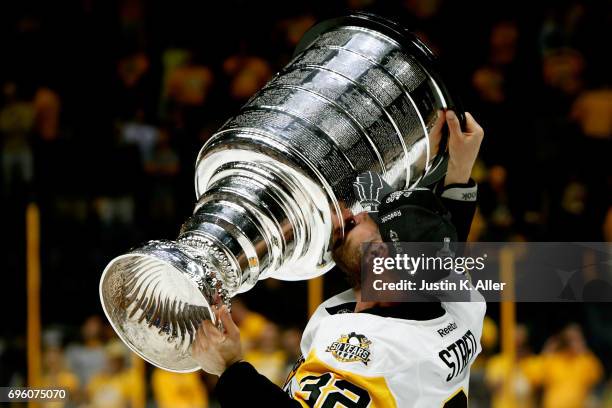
(274, 184)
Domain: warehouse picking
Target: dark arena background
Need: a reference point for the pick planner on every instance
(106, 103)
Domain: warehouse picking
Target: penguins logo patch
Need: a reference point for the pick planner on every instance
(351, 347)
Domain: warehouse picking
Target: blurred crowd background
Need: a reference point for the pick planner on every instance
(104, 105)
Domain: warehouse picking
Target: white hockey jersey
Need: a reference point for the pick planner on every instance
(366, 360)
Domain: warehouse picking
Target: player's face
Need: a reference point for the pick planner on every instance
(348, 253)
(364, 230)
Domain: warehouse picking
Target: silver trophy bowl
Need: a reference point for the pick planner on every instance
(274, 184)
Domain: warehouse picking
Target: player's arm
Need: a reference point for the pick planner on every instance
(461, 200)
(220, 353)
(241, 385)
(459, 192)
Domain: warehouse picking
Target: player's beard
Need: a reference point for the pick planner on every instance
(349, 262)
(350, 259)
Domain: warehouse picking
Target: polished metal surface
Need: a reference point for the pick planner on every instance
(274, 184)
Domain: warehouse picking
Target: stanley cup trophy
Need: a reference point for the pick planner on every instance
(274, 185)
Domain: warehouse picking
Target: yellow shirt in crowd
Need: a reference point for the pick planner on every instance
(64, 379)
(525, 378)
(251, 327)
(114, 390)
(568, 379)
(178, 390)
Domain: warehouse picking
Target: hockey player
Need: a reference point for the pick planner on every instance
(373, 354)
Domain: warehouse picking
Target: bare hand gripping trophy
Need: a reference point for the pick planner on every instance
(274, 184)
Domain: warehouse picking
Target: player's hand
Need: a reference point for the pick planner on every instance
(215, 350)
(463, 147)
